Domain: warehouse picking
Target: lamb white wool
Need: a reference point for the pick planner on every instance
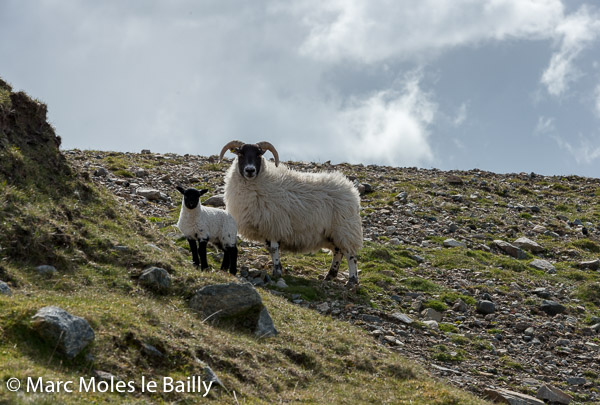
(201, 225)
(295, 211)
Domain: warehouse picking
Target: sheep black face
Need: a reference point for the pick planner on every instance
(249, 160)
(191, 196)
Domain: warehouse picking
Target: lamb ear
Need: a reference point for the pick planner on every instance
(203, 191)
(180, 189)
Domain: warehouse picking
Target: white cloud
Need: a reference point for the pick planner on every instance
(597, 100)
(586, 151)
(371, 31)
(574, 33)
(461, 115)
(544, 125)
(390, 126)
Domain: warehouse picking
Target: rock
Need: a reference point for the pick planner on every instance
(238, 303)
(431, 324)
(265, 326)
(281, 283)
(528, 244)
(141, 173)
(152, 352)
(68, 333)
(576, 380)
(590, 264)
(539, 229)
(485, 307)
(100, 172)
(453, 243)
(402, 318)
(505, 396)
(541, 292)
(460, 306)
(323, 307)
(209, 375)
(553, 395)
(544, 265)
(552, 307)
(217, 200)
(596, 328)
(431, 314)
(452, 179)
(46, 270)
(156, 279)
(150, 193)
(402, 197)
(145, 152)
(509, 249)
(5, 289)
(104, 376)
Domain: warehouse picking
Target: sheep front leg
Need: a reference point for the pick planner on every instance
(273, 248)
(203, 262)
(352, 270)
(194, 249)
(232, 253)
(335, 265)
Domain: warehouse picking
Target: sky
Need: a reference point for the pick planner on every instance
(501, 85)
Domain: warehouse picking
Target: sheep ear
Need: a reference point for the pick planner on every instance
(180, 189)
(204, 191)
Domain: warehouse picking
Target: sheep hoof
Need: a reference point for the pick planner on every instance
(204, 268)
(277, 272)
(331, 276)
(352, 282)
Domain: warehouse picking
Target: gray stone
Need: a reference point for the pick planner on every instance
(5, 289)
(46, 270)
(402, 197)
(217, 200)
(150, 193)
(453, 243)
(576, 381)
(152, 352)
(281, 283)
(239, 303)
(100, 172)
(460, 306)
(146, 152)
(68, 333)
(402, 318)
(528, 244)
(485, 307)
(430, 314)
(553, 395)
(510, 249)
(209, 375)
(544, 265)
(596, 328)
(541, 292)
(265, 326)
(432, 324)
(590, 264)
(539, 229)
(505, 396)
(141, 173)
(552, 307)
(323, 307)
(156, 279)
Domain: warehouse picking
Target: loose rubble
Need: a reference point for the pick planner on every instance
(521, 339)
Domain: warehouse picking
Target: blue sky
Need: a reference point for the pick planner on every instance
(499, 85)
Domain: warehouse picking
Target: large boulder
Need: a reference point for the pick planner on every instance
(239, 304)
(510, 249)
(68, 333)
(156, 279)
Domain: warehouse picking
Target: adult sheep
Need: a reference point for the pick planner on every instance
(295, 211)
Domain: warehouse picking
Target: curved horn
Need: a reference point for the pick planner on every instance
(270, 148)
(230, 145)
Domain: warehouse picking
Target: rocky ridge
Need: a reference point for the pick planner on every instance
(488, 280)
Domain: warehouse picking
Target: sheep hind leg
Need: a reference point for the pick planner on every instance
(230, 259)
(202, 250)
(273, 248)
(352, 270)
(335, 265)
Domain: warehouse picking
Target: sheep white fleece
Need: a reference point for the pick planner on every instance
(213, 224)
(301, 211)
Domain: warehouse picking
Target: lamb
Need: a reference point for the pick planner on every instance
(291, 210)
(207, 224)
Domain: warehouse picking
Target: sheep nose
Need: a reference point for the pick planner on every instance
(250, 171)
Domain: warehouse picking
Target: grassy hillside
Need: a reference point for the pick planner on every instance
(53, 214)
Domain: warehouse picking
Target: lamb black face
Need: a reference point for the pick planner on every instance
(249, 160)
(191, 196)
